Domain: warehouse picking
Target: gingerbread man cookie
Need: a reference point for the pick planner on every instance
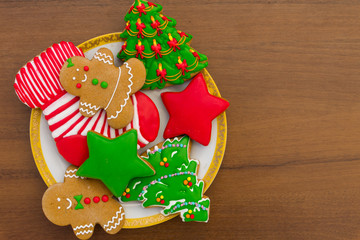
(81, 203)
(101, 85)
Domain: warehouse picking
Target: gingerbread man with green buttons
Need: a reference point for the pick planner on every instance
(82, 203)
(102, 85)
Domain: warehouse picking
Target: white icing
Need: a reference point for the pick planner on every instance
(116, 86)
(84, 232)
(106, 226)
(85, 78)
(58, 199)
(70, 203)
(59, 207)
(136, 184)
(89, 105)
(91, 113)
(102, 58)
(71, 171)
(74, 78)
(127, 94)
(77, 69)
(58, 103)
(173, 153)
(83, 226)
(66, 126)
(91, 123)
(63, 114)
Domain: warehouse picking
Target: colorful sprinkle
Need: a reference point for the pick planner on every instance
(127, 190)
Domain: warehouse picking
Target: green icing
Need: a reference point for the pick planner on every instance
(78, 199)
(170, 55)
(168, 183)
(70, 64)
(114, 161)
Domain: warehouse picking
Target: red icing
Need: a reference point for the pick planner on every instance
(152, 4)
(149, 115)
(182, 66)
(87, 200)
(131, 8)
(139, 49)
(105, 198)
(166, 164)
(192, 216)
(192, 111)
(86, 68)
(190, 184)
(173, 44)
(74, 149)
(161, 73)
(78, 85)
(141, 9)
(156, 49)
(127, 195)
(162, 201)
(140, 27)
(182, 34)
(96, 199)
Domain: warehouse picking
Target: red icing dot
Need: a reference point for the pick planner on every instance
(96, 199)
(78, 85)
(127, 195)
(86, 68)
(162, 201)
(87, 200)
(192, 216)
(190, 184)
(166, 164)
(105, 198)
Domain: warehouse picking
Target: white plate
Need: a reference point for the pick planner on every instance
(52, 166)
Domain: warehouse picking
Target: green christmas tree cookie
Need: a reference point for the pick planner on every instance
(174, 186)
(165, 51)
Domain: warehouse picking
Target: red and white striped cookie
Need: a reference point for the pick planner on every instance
(37, 85)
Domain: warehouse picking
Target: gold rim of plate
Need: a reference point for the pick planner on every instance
(133, 222)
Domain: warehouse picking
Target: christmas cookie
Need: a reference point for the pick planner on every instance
(37, 85)
(101, 85)
(192, 111)
(175, 186)
(82, 203)
(114, 161)
(165, 51)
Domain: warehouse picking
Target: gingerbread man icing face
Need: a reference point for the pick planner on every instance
(101, 85)
(82, 203)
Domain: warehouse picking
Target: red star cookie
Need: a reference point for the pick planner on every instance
(192, 111)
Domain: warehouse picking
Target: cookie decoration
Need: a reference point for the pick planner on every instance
(101, 85)
(192, 111)
(175, 186)
(114, 161)
(82, 203)
(37, 85)
(165, 51)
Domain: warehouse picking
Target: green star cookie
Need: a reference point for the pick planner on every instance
(114, 161)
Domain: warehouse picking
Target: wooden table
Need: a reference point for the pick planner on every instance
(291, 70)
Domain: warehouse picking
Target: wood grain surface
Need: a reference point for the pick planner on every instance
(291, 71)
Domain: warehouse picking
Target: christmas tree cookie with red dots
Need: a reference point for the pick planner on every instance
(82, 203)
(165, 51)
(175, 186)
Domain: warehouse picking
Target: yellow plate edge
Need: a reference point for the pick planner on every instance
(134, 222)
